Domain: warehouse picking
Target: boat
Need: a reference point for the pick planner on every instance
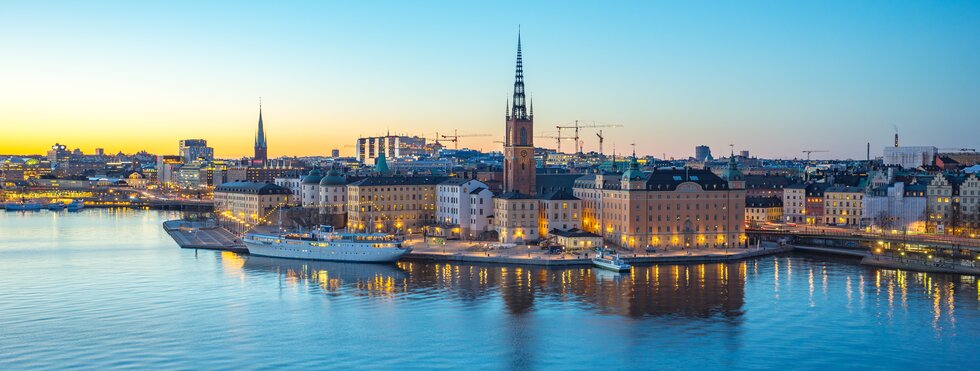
(76, 205)
(322, 243)
(55, 206)
(610, 262)
(23, 206)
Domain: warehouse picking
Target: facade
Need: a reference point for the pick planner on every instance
(392, 146)
(761, 210)
(167, 167)
(765, 185)
(294, 185)
(953, 204)
(702, 153)
(896, 207)
(248, 203)
(481, 213)
(195, 150)
(577, 239)
(843, 206)
(454, 206)
(516, 217)
(262, 174)
(392, 204)
(559, 210)
(814, 203)
(909, 157)
(669, 207)
(310, 189)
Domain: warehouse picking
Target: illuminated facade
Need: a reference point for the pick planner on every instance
(843, 206)
(392, 204)
(248, 203)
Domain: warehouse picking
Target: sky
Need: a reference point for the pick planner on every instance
(771, 77)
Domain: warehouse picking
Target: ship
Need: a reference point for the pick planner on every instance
(322, 243)
(76, 205)
(23, 206)
(610, 262)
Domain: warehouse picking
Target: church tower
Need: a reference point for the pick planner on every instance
(261, 147)
(519, 161)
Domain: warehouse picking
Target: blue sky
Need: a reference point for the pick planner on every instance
(773, 77)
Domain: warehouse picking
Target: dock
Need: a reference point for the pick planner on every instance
(203, 235)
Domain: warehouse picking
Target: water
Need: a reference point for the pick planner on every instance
(109, 289)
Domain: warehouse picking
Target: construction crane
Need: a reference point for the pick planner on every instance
(958, 149)
(601, 138)
(809, 151)
(455, 137)
(556, 138)
(578, 125)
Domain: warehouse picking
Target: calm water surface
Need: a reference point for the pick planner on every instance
(104, 288)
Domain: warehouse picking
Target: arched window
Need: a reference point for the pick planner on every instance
(523, 136)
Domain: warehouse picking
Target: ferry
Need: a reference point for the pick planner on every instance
(324, 244)
(76, 205)
(610, 262)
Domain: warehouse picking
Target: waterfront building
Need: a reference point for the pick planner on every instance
(762, 210)
(843, 205)
(898, 206)
(195, 150)
(953, 203)
(454, 204)
(392, 204)
(333, 198)
(515, 217)
(310, 189)
(393, 146)
(167, 166)
(814, 203)
(248, 203)
(294, 185)
(481, 213)
(669, 207)
(576, 239)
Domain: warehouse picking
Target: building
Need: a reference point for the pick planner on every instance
(195, 151)
(294, 185)
(953, 204)
(559, 210)
(392, 146)
(245, 204)
(762, 210)
(167, 166)
(814, 203)
(481, 213)
(909, 157)
(843, 206)
(333, 198)
(576, 239)
(57, 154)
(898, 206)
(261, 155)
(310, 189)
(516, 217)
(392, 204)
(335, 153)
(702, 153)
(669, 207)
(519, 164)
(763, 186)
(262, 174)
(454, 204)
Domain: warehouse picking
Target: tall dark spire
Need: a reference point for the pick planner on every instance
(260, 135)
(519, 110)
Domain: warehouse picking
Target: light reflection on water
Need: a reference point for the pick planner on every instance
(106, 288)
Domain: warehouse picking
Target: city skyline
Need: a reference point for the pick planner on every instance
(142, 76)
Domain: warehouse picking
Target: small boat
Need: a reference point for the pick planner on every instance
(55, 206)
(23, 206)
(610, 262)
(76, 205)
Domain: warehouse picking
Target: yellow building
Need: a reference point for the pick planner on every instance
(843, 205)
(392, 204)
(248, 203)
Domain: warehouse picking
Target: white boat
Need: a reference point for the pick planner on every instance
(325, 244)
(610, 262)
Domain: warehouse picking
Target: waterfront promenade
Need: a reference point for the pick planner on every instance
(477, 252)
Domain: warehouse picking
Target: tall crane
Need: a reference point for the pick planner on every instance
(455, 137)
(809, 151)
(577, 125)
(556, 138)
(601, 138)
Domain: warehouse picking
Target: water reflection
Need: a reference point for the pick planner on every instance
(702, 290)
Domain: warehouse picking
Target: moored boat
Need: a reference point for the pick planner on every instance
(610, 262)
(23, 206)
(325, 244)
(55, 206)
(76, 205)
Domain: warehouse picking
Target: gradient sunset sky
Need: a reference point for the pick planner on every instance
(773, 77)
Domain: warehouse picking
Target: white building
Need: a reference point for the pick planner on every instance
(293, 185)
(453, 203)
(393, 146)
(896, 207)
(909, 157)
(481, 212)
(310, 189)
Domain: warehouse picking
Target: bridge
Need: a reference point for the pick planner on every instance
(178, 204)
(856, 239)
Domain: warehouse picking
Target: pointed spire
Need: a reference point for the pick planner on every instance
(519, 110)
(260, 134)
(507, 107)
(530, 104)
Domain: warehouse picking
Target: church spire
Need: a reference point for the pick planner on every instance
(519, 110)
(260, 135)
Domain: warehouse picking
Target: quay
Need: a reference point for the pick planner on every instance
(203, 235)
